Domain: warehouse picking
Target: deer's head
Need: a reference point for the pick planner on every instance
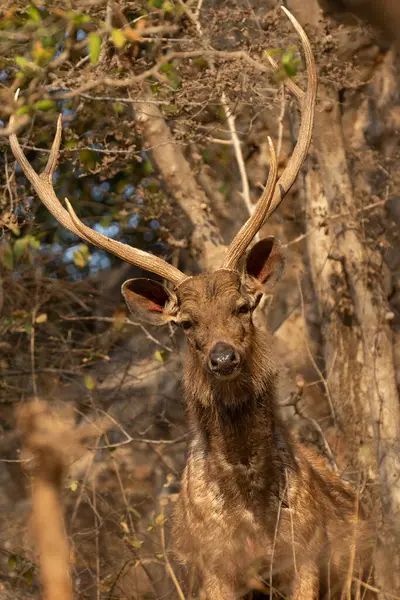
(214, 309)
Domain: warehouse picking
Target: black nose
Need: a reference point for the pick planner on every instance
(223, 359)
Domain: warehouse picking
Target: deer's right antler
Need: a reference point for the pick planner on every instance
(43, 186)
(271, 199)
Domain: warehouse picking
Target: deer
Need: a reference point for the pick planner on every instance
(251, 497)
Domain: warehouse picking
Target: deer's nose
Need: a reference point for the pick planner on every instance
(223, 359)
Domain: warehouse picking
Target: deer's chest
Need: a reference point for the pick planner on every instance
(224, 521)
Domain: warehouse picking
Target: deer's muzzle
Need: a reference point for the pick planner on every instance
(223, 359)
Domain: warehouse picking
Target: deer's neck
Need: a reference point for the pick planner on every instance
(236, 427)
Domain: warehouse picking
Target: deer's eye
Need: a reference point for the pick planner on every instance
(186, 325)
(243, 310)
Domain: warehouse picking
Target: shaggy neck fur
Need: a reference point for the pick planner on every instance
(236, 427)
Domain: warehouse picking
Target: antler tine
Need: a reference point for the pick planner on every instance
(267, 205)
(43, 186)
(253, 224)
(307, 107)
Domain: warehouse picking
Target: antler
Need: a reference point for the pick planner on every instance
(43, 186)
(271, 199)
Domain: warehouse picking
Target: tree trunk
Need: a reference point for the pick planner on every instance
(354, 315)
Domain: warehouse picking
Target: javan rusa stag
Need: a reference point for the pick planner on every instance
(251, 499)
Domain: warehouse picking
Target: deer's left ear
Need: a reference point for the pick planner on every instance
(149, 301)
(265, 263)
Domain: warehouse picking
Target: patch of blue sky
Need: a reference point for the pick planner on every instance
(99, 262)
(128, 192)
(110, 231)
(97, 193)
(134, 221)
(80, 35)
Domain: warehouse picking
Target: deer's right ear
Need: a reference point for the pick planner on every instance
(265, 263)
(149, 301)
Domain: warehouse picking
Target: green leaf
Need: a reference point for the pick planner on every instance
(168, 7)
(166, 68)
(6, 257)
(289, 63)
(79, 259)
(41, 318)
(94, 46)
(20, 246)
(34, 13)
(118, 107)
(73, 486)
(29, 575)
(77, 18)
(137, 544)
(85, 250)
(106, 220)
(44, 105)
(147, 167)
(171, 109)
(88, 158)
(34, 243)
(27, 65)
(160, 520)
(118, 38)
(200, 62)
(22, 110)
(160, 355)
(90, 383)
(272, 52)
(12, 562)
(22, 62)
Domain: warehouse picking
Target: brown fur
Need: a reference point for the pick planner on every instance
(243, 469)
(252, 502)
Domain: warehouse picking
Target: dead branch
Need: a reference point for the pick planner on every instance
(41, 433)
(51, 442)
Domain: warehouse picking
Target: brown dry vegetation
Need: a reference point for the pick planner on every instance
(67, 340)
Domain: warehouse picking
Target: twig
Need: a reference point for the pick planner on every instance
(128, 82)
(8, 185)
(375, 589)
(97, 545)
(42, 435)
(328, 219)
(167, 561)
(280, 123)
(230, 118)
(278, 516)
(130, 439)
(125, 322)
(318, 370)
(32, 352)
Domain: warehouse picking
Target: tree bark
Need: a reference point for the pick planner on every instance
(180, 181)
(357, 336)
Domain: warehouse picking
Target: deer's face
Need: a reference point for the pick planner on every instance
(214, 310)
